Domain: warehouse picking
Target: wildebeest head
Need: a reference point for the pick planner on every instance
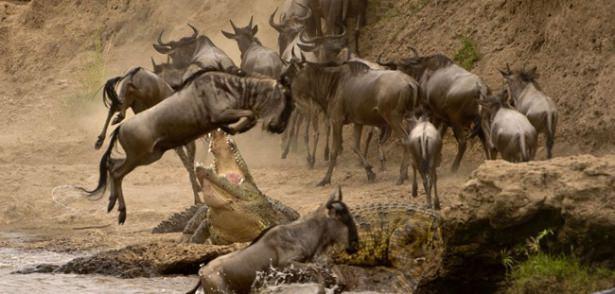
(244, 35)
(290, 27)
(340, 226)
(180, 51)
(517, 80)
(492, 103)
(169, 73)
(327, 48)
(277, 107)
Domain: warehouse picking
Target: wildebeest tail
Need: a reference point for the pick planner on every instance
(104, 166)
(110, 98)
(196, 288)
(424, 166)
(525, 154)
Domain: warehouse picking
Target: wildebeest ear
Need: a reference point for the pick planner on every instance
(254, 30)
(228, 35)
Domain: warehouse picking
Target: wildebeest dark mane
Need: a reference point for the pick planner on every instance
(529, 76)
(110, 98)
(194, 76)
(357, 67)
(262, 233)
(431, 62)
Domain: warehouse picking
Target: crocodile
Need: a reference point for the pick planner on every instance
(236, 209)
(401, 236)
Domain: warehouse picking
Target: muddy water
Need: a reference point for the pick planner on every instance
(15, 259)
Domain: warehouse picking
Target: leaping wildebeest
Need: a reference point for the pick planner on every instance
(354, 93)
(281, 246)
(140, 89)
(208, 101)
(255, 58)
(528, 98)
(451, 93)
(510, 132)
(425, 145)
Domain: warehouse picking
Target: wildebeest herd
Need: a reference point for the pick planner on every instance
(316, 79)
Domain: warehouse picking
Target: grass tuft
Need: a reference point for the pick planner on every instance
(468, 54)
(91, 77)
(543, 273)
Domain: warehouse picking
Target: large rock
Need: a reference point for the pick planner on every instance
(504, 204)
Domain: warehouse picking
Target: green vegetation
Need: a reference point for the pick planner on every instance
(543, 273)
(540, 272)
(468, 54)
(91, 76)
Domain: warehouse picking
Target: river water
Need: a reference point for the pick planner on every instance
(16, 259)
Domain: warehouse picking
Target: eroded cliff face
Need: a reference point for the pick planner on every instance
(505, 204)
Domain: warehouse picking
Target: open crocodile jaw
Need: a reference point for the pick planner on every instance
(227, 170)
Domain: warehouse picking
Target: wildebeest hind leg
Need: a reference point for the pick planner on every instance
(356, 148)
(337, 143)
(315, 138)
(461, 147)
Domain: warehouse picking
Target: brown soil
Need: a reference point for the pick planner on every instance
(55, 55)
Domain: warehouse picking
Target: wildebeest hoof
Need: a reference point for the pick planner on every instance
(122, 217)
(400, 181)
(371, 176)
(99, 142)
(117, 119)
(311, 162)
(323, 183)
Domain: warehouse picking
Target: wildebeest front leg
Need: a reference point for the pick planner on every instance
(358, 129)
(316, 137)
(415, 190)
(103, 133)
(187, 158)
(337, 143)
(230, 116)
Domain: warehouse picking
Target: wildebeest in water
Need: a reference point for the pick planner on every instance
(208, 101)
(281, 246)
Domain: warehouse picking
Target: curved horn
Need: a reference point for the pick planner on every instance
(306, 41)
(251, 20)
(160, 40)
(338, 36)
(233, 25)
(195, 32)
(416, 53)
(307, 15)
(153, 62)
(277, 27)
